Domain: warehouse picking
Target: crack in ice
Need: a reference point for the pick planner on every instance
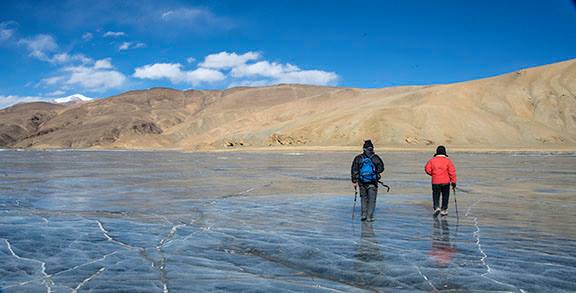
(162, 263)
(159, 265)
(246, 191)
(107, 235)
(241, 193)
(476, 235)
(88, 280)
(425, 278)
(85, 264)
(46, 279)
(169, 237)
(164, 218)
(64, 271)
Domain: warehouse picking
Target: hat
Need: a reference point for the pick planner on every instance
(368, 144)
(441, 150)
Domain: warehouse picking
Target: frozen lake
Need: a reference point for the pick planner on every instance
(168, 221)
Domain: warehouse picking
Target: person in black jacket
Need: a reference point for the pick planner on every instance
(366, 169)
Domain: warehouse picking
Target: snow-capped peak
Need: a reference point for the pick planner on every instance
(73, 99)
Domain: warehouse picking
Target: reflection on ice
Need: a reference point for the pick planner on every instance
(443, 250)
(161, 222)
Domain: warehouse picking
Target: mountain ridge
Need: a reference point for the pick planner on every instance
(529, 108)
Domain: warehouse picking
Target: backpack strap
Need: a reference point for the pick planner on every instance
(388, 187)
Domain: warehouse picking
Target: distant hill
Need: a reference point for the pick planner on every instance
(532, 108)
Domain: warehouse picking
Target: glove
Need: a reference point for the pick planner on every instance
(453, 185)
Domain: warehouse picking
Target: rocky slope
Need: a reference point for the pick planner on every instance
(532, 108)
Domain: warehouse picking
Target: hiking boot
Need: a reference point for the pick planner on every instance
(363, 219)
(444, 213)
(436, 212)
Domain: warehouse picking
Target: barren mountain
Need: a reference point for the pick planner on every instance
(532, 108)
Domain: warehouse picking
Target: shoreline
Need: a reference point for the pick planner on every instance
(313, 149)
(399, 149)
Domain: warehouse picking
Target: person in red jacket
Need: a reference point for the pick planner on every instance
(443, 175)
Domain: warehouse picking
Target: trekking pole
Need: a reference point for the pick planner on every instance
(354, 207)
(456, 204)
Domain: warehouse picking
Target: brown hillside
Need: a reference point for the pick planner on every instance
(533, 108)
(24, 121)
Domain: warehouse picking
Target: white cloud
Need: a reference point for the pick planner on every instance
(7, 30)
(185, 14)
(87, 36)
(124, 46)
(263, 68)
(192, 16)
(238, 70)
(103, 64)
(39, 46)
(190, 59)
(93, 79)
(98, 77)
(62, 58)
(77, 72)
(169, 71)
(204, 75)
(44, 48)
(282, 73)
(131, 45)
(113, 34)
(52, 80)
(187, 18)
(7, 101)
(317, 77)
(56, 93)
(159, 18)
(174, 73)
(225, 60)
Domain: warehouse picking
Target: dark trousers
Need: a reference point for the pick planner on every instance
(438, 189)
(368, 193)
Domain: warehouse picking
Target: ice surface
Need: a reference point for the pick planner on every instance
(169, 221)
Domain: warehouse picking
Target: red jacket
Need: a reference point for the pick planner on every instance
(441, 169)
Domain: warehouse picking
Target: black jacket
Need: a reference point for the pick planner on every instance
(355, 172)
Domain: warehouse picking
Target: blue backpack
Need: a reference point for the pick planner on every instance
(367, 170)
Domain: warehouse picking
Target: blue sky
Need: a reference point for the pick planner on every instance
(50, 49)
